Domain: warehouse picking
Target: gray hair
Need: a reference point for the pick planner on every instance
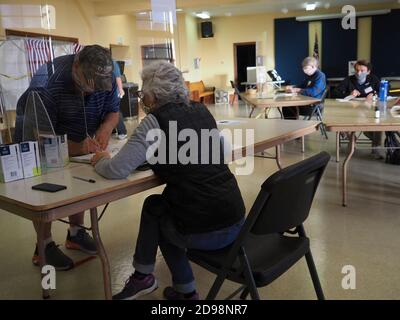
(164, 82)
(310, 61)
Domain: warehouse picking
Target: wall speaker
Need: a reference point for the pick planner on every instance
(206, 29)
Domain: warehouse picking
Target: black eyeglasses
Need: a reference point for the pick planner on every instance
(140, 94)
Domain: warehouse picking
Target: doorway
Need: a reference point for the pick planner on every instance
(244, 56)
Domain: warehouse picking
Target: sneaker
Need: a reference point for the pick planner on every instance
(170, 294)
(122, 136)
(135, 288)
(82, 241)
(54, 257)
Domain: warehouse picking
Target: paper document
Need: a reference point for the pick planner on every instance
(395, 111)
(229, 121)
(348, 98)
(285, 94)
(113, 148)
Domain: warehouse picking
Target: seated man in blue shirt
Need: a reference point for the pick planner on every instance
(79, 94)
(314, 86)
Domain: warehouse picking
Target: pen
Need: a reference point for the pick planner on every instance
(83, 179)
(94, 141)
(17, 154)
(36, 155)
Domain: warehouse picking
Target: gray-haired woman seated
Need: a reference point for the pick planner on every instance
(201, 206)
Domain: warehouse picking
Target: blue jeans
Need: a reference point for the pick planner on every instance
(121, 129)
(157, 229)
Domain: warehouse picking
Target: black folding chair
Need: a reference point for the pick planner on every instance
(264, 250)
(317, 111)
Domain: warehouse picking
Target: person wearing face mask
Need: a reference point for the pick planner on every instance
(362, 84)
(79, 94)
(313, 85)
(201, 206)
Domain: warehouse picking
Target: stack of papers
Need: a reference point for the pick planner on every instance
(348, 98)
(113, 148)
(351, 97)
(285, 95)
(395, 111)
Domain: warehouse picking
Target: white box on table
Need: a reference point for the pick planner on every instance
(10, 163)
(30, 158)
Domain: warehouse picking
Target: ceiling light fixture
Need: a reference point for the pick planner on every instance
(341, 15)
(203, 15)
(310, 6)
(285, 10)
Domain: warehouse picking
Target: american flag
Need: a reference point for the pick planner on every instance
(316, 49)
(39, 52)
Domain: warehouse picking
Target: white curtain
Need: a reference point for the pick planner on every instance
(20, 57)
(14, 79)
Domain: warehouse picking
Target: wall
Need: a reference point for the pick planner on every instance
(189, 47)
(76, 18)
(364, 38)
(217, 53)
(111, 29)
(70, 20)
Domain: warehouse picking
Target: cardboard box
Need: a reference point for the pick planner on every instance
(55, 150)
(30, 159)
(10, 163)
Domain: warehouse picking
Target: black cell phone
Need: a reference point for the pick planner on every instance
(49, 187)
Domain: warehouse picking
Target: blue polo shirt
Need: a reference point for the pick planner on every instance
(68, 110)
(314, 85)
(116, 70)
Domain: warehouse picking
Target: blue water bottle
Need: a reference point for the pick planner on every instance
(383, 90)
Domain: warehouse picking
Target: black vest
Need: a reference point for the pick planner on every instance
(202, 197)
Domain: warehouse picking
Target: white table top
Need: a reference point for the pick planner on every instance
(359, 116)
(279, 100)
(267, 133)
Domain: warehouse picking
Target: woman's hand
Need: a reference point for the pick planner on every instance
(98, 156)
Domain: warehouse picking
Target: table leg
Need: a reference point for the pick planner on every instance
(42, 256)
(266, 112)
(337, 146)
(251, 112)
(278, 156)
(302, 144)
(280, 112)
(352, 144)
(102, 253)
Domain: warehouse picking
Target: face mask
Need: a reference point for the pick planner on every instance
(361, 77)
(309, 70)
(145, 108)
